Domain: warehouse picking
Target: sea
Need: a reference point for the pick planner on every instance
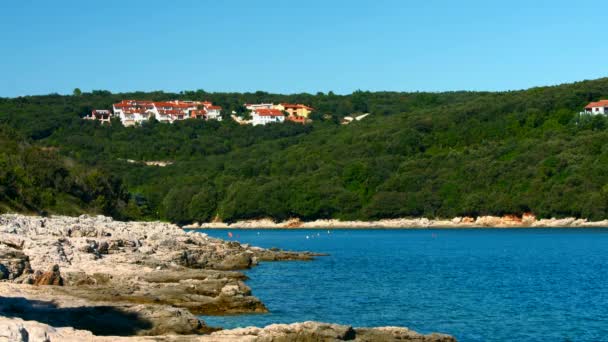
(475, 284)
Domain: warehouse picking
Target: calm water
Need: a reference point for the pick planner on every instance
(476, 284)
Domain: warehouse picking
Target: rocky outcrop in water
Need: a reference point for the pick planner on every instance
(316, 331)
(150, 275)
(17, 330)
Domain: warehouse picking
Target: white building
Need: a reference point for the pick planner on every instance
(132, 112)
(171, 111)
(265, 116)
(101, 115)
(254, 106)
(599, 107)
(214, 113)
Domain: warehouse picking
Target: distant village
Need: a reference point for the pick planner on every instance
(135, 112)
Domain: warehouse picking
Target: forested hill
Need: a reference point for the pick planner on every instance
(39, 180)
(417, 154)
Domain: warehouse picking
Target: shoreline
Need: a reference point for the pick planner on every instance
(142, 281)
(527, 221)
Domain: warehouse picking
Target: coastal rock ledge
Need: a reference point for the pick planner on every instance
(92, 278)
(18, 330)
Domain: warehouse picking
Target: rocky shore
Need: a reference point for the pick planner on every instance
(93, 278)
(14, 329)
(507, 221)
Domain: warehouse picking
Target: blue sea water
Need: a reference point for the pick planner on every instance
(475, 284)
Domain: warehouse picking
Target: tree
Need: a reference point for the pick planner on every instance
(446, 154)
(77, 92)
(359, 101)
(175, 205)
(203, 205)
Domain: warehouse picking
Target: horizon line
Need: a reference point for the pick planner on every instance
(182, 92)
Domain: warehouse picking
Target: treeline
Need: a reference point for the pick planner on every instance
(418, 154)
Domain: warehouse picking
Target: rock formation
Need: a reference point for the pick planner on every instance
(153, 272)
(95, 279)
(18, 330)
(316, 331)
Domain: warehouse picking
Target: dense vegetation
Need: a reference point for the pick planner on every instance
(418, 154)
(35, 179)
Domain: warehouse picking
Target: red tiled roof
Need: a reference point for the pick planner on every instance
(268, 112)
(171, 112)
(150, 104)
(215, 107)
(174, 105)
(134, 103)
(600, 103)
(295, 106)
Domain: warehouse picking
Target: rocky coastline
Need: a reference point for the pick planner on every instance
(91, 278)
(507, 221)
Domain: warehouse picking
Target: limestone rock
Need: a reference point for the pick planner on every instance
(13, 263)
(398, 334)
(316, 331)
(152, 270)
(14, 329)
(147, 279)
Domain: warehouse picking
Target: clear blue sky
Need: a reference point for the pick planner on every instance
(298, 46)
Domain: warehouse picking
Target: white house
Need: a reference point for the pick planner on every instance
(214, 113)
(133, 112)
(102, 115)
(170, 111)
(599, 107)
(265, 116)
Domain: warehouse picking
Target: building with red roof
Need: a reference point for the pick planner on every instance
(296, 119)
(132, 112)
(263, 113)
(198, 114)
(265, 116)
(101, 115)
(213, 112)
(296, 109)
(254, 106)
(599, 107)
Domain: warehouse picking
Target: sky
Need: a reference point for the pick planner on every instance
(298, 46)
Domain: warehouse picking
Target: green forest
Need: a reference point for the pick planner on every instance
(418, 154)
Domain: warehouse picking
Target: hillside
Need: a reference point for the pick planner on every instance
(36, 179)
(418, 154)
